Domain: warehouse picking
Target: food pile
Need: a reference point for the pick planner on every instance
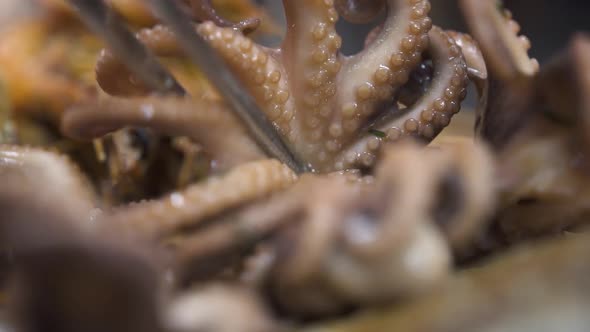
(129, 209)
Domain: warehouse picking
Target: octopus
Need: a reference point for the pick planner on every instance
(381, 227)
(334, 111)
(337, 240)
(383, 220)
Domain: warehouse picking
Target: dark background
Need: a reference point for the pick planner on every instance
(548, 23)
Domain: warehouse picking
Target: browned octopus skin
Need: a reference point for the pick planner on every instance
(323, 102)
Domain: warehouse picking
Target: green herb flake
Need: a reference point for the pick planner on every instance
(377, 133)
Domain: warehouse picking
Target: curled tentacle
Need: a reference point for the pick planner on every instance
(453, 190)
(476, 65)
(509, 68)
(190, 206)
(207, 123)
(496, 32)
(373, 75)
(360, 11)
(428, 115)
(356, 253)
(476, 69)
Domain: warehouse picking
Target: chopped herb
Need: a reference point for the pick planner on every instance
(377, 133)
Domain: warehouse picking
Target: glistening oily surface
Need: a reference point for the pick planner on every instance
(124, 209)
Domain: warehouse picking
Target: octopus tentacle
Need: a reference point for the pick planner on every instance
(319, 235)
(259, 70)
(355, 254)
(58, 177)
(428, 115)
(359, 11)
(396, 179)
(385, 64)
(190, 206)
(353, 248)
(477, 70)
(510, 70)
(238, 232)
(476, 65)
(310, 53)
(496, 31)
(207, 123)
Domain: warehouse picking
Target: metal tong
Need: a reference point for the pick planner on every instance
(144, 64)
